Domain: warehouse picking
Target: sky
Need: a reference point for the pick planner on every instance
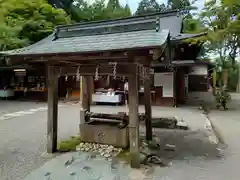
(134, 3)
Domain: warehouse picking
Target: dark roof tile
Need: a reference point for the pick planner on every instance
(130, 40)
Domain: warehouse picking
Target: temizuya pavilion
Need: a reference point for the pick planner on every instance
(127, 45)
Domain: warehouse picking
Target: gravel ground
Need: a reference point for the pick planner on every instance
(23, 141)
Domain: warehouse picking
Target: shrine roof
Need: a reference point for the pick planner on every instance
(185, 63)
(97, 43)
(183, 36)
(148, 31)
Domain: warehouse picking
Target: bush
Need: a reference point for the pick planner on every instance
(222, 98)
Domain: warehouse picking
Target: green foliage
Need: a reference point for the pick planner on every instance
(223, 31)
(232, 73)
(9, 39)
(222, 98)
(26, 22)
(149, 6)
(190, 24)
(98, 10)
(113, 4)
(223, 40)
(185, 6)
(127, 10)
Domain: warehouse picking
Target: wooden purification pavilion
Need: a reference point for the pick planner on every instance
(122, 47)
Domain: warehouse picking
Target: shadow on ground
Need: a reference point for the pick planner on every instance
(186, 143)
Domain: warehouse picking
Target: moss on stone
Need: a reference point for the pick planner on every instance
(69, 145)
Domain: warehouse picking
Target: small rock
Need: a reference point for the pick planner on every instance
(69, 162)
(107, 155)
(142, 158)
(108, 150)
(146, 151)
(72, 173)
(155, 160)
(47, 174)
(81, 144)
(169, 147)
(148, 170)
(86, 168)
(100, 150)
(111, 147)
(144, 143)
(219, 152)
(182, 125)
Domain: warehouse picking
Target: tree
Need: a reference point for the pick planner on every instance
(30, 20)
(127, 10)
(115, 10)
(223, 34)
(185, 6)
(113, 4)
(61, 4)
(149, 6)
(191, 24)
(223, 39)
(99, 11)
(9, 39)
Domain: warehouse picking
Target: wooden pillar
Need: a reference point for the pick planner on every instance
(52, 124)
(148, 109)
(133, 121)
(85, 97)
(86, 92)
(175, 94)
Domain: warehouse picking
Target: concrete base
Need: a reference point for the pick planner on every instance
(104, 134)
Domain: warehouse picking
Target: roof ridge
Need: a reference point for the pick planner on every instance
(110, 28)
(124, 20)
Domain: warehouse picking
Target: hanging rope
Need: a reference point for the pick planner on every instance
(97, 73)
(114, 72)
(78, 73)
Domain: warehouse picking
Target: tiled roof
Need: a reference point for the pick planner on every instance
(130, 40)
(186, 36)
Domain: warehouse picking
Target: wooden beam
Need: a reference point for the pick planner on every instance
(52, 124)
(82, 58)
(133, 120)
(88, 58)
(90, 70)
(148, 109)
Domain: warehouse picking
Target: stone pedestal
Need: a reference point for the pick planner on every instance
(104, 134)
